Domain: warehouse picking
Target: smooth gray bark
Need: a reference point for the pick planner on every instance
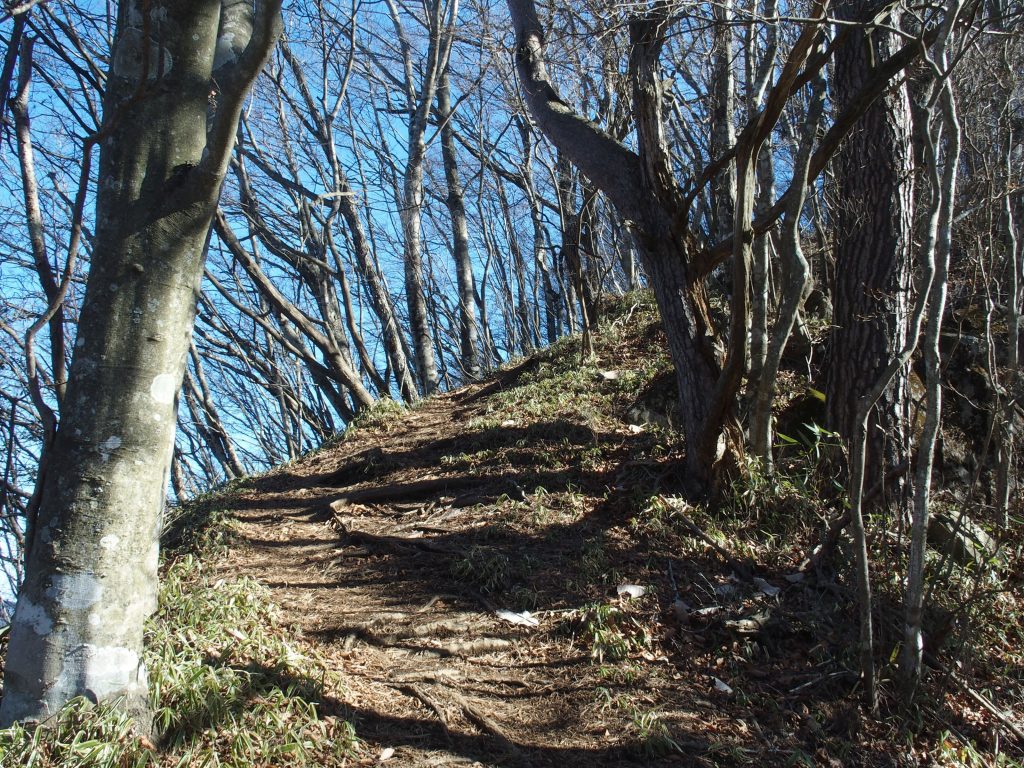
(91, 578)
(469, 334)
(419, 102)
(943, 127)
(796, 277)
(319, 120)
(723, 125)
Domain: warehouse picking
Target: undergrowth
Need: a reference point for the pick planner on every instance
(229, 686)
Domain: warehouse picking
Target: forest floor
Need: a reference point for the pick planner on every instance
(507, 575)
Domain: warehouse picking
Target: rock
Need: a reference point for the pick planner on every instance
(818, 303)
(657, 405)
(962, 539)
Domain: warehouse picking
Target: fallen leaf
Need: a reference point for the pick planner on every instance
(524, 619)
(720, 686)
(631, 590)
(386, 754)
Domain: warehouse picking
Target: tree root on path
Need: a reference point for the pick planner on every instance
(474, 715)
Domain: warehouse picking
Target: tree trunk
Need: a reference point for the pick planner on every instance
(1007, 434)
(91, 578)
(419, 102)
(723, 127)
(871, 296)
(469, 340)
(942, 127)
(796, 278)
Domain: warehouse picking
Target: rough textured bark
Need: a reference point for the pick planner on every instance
(91, 578)
(871, 295)
(666, 250)
(1008, 433)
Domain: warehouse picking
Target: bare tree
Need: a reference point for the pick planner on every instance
(468, 332)
(91, 574)
(643, 187)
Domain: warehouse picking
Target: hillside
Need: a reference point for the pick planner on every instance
(508, 575)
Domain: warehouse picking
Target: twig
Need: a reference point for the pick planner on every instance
(485, 723)
(979, 697)
(741, 570)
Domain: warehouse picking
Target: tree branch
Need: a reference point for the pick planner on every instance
(612, 167)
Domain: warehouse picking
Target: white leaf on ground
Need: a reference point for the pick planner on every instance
(720, 686)
(386, 754)
(524, 619)
(631, 590)
(609, 375)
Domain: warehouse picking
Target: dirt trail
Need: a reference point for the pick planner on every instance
(358, 545)
(461, 568)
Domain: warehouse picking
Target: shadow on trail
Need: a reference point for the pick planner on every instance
(387, 729)
(551, 517)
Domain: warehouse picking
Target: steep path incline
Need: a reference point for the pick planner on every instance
(395, 550)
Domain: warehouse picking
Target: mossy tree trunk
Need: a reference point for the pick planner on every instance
(179, 73)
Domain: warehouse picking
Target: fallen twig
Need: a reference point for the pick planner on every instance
(484, 723)
(979, 697)
(366, 538)
(431, 704)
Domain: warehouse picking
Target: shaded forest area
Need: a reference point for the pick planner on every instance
(233, 230)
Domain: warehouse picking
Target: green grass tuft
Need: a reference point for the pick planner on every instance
(230, 687)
